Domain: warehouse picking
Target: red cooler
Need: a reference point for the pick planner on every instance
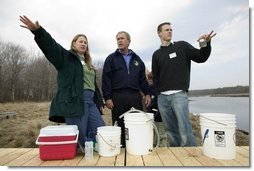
(58, 142)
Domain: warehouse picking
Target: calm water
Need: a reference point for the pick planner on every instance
(239, 106)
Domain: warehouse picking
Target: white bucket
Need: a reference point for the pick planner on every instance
(109, 140)
(139, 132)
(218, 135)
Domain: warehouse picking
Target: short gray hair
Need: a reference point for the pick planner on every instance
(127, 35)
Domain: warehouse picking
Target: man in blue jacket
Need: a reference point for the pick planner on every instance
(123, 80)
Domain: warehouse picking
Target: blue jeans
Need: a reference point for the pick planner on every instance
(174, 111)
(88, 123)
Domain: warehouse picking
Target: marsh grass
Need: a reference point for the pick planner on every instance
(22, 130)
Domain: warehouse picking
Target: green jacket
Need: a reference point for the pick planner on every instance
(69, 100)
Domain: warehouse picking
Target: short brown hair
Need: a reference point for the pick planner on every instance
(160, 26)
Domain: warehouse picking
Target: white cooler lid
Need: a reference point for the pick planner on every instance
(59, 130)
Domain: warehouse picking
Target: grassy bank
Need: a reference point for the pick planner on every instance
(22, 130)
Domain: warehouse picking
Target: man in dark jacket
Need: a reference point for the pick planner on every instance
(123, 79)
(153, 107)
(171, 65)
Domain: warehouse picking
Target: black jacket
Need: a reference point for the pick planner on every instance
(171, 65)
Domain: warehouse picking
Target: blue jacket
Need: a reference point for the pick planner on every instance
(116, 76)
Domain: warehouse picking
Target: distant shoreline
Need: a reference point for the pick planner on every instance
(231, 95)
(222, 95)
(237, 91)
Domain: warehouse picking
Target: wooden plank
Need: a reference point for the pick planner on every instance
(91, 162)
(184, 157)
(9, 157)
(245, 147)
(244, 161)
(106, 161)
(120, 159)
(52, 163)
(23, 158)
(36, 161)
(243, 151)
(167, 157)
(163, 156)
(236, 162)
(72, 162)
(134, 160)
(152, 159)
(6, 151)
(228, 162)
(204, 160)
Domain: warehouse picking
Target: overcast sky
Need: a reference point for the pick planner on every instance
(100, 20)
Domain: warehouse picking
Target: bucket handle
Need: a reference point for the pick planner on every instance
(213, 120)
(155, 128)
(158, 135)
(131, 111)
(108, 143)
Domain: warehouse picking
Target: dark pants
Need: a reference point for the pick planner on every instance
(124, 101)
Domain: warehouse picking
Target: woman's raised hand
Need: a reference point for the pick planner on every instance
(28, 24)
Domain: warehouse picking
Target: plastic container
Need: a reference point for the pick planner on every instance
(202, 43)
(58, 142)
(89, 149)
(218, 134)
(109, 140)
(139, 132)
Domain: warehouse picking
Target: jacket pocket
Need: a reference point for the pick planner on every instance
(67, 101)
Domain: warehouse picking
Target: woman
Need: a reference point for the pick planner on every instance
(78, 98)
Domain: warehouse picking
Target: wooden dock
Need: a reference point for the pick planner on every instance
(163, 156)
(7, 115)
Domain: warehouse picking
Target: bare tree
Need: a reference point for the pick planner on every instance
(52, 81)
(3, 56)
(15, 56)
(40, 79)
(29, 76)
(99, 67)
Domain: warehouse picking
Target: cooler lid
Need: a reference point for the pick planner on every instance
(59, 130)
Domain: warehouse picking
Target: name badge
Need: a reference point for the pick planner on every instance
(83, 63)
(172, 55)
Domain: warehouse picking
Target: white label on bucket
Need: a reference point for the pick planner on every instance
(219, 138)
(126, 133)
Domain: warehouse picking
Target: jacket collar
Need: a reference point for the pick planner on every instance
(169, 44)
(117, 52)
(73, 52)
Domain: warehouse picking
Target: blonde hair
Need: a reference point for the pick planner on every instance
(88, 59)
